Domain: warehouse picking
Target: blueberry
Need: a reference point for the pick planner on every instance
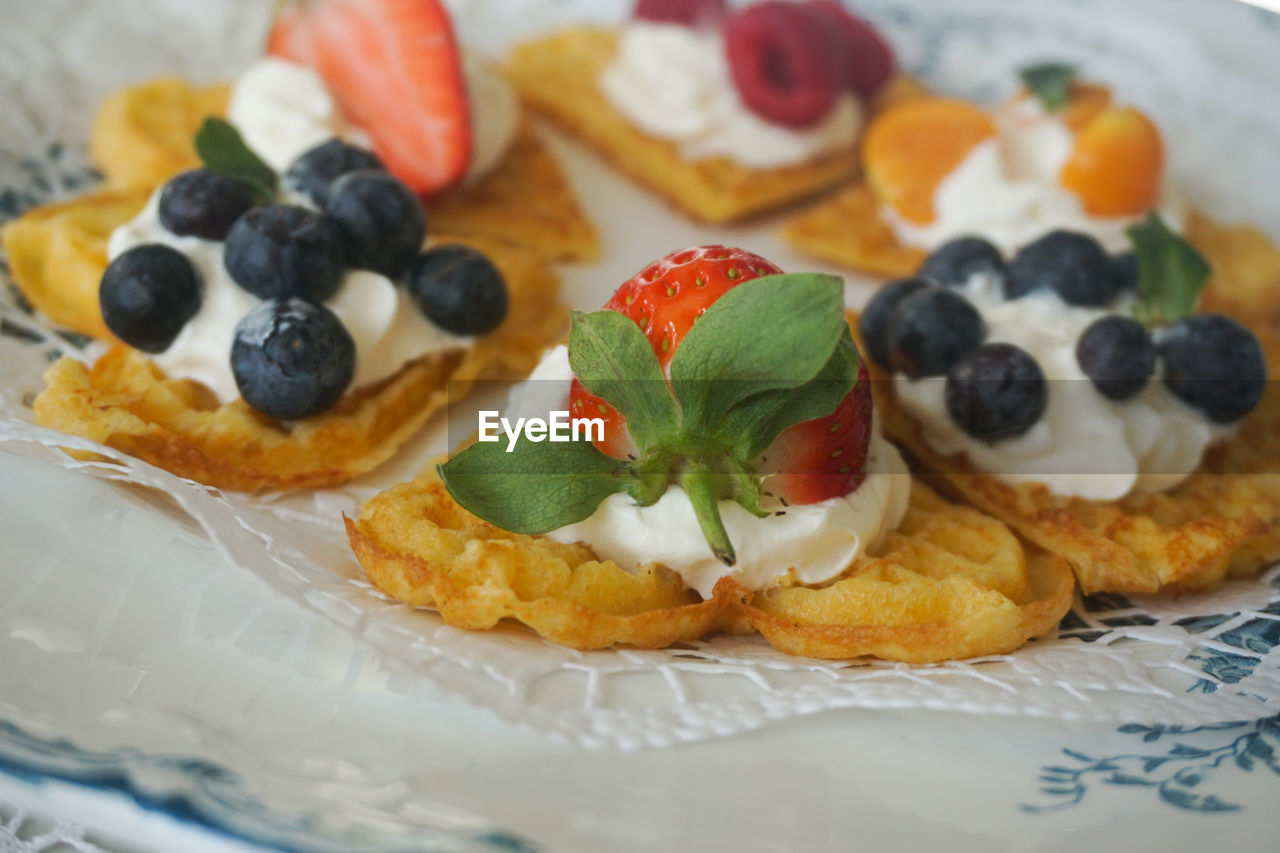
(292, 358)
(381, 220)
(1117, 353)
(281, 250)
(873, 325)
(147, 295)
(996, 391)
(1073, 265)
(458, 289)
(317, 169)
(955, 261)
(1124, 272)
(1213, 364)
(203, 203)
(932, 329)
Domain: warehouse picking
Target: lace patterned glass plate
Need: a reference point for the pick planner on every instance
(284, 561)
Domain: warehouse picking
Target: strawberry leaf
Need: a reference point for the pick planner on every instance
(222, 149)
(730, 354)
(1051, 83)
(614, 360)
(536, 487)
(753, 424)
(1171, 273)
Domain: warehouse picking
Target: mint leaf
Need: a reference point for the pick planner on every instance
(613, 359)
(1171, 273)
(1051, 83)
(222, 149)
(536, 487)
(770, 333)
(754, 423)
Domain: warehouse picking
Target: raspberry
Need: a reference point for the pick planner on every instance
(866, 60)
(778, 73)
(693, 13)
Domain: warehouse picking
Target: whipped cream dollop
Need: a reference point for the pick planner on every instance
(387, 327)
(673, 81)
(815, 541)
(282, 109)
(1007, 190)
(1085, 444)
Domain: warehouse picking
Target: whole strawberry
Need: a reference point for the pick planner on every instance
(809, 462)
(710, 371)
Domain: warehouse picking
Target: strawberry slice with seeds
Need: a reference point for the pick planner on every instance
(394, 69)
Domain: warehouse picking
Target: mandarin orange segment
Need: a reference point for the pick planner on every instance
(1084, 102)
(1116, 163)
(909, 149)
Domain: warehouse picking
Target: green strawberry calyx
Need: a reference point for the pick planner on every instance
(768, 354)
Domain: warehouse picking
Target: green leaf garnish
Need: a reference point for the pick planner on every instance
(613, 359)
(1171, 273)
(222, 149)
(769, 354)
(720, 363)
(757, 421)
(534, 492)
(1050, 82)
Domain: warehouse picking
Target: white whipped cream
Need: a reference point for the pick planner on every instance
(283, 109)
(1085, 444)
(673, 82)
(816, 541)
(1007, 190)
(387, 327)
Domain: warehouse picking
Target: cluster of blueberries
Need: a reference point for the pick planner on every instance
(923, 326)
(291, 356)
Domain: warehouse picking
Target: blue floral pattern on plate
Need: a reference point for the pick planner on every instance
(1175, 774)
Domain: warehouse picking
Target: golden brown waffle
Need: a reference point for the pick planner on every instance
(1221, 522)
(142, 136)
(526, 200)
(124, 401)
(847, 230)
(58, 252)
(951, 583)
(557, 76)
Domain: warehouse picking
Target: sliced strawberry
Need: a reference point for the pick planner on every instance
(290, 38)
(692, 13)
(867, 61)
(825, 457)
(809, 462)
(394, 69)
(775, 67)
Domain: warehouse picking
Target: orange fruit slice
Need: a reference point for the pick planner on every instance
(1116, 163)
(909, 149)
(1084, 102)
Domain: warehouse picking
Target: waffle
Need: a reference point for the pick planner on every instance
(950, 583)
(556, 75)
(1221, 522)
(142, 136)
(124, 401)
(58, 252)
